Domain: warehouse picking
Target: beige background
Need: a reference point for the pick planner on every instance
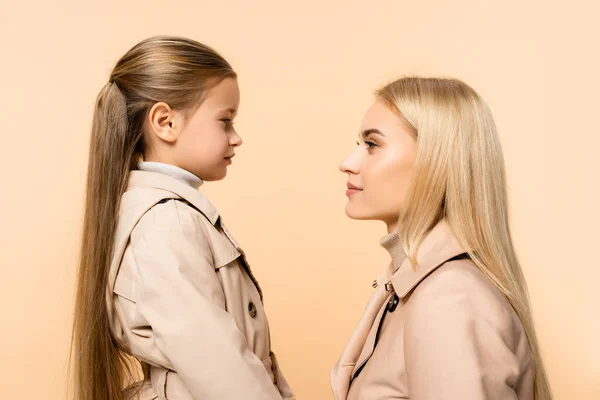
(307, 70)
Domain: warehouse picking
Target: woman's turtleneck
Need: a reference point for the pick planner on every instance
(391, 243)
(172, 171)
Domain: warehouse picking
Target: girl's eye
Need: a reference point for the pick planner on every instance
(227, 121)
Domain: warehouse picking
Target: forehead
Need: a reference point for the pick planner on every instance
(226, 94)
(379, 116)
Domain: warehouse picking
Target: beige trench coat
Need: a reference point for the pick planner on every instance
(442, 331)
(182, 298)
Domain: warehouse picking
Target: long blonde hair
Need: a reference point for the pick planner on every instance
(174, 70)
(459, 175)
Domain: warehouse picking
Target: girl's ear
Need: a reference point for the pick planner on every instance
(161, 122)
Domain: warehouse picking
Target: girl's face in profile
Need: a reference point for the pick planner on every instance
(206, 144)
(202, 142)
(380, 168)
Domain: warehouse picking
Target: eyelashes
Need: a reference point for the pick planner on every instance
(369, 144)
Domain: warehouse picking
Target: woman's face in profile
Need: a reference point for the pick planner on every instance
(380, 168)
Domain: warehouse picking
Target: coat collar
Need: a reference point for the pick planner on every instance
(438, 246)
(156, 180)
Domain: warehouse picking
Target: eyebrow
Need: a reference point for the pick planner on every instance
(230, 110)
(371, 131)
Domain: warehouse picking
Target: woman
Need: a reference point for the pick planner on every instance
(450, 316)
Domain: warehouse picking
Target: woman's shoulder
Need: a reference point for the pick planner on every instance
(460, 312)
(459, 291)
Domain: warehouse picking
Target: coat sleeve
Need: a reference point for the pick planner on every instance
(179, 298)
(283, 386)
(457, 340)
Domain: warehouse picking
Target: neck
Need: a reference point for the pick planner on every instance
(172, 171)
(392, 225)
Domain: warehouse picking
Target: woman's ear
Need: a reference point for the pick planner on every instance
(161, 122)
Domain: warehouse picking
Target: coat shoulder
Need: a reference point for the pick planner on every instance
(171, 215)
(459, 290)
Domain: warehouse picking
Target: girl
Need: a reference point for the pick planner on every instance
(450, 316)
(162, 283)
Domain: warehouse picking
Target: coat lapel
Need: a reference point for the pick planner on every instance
(439, 246)
(355, 350)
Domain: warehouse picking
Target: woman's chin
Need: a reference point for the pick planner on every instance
(354, 212)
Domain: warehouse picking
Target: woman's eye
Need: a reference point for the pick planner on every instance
(369, 144)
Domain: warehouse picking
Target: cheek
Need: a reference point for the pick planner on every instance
(386, 183)
(400, 179)
(210, 143)
(201, 151)
(217, 139)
